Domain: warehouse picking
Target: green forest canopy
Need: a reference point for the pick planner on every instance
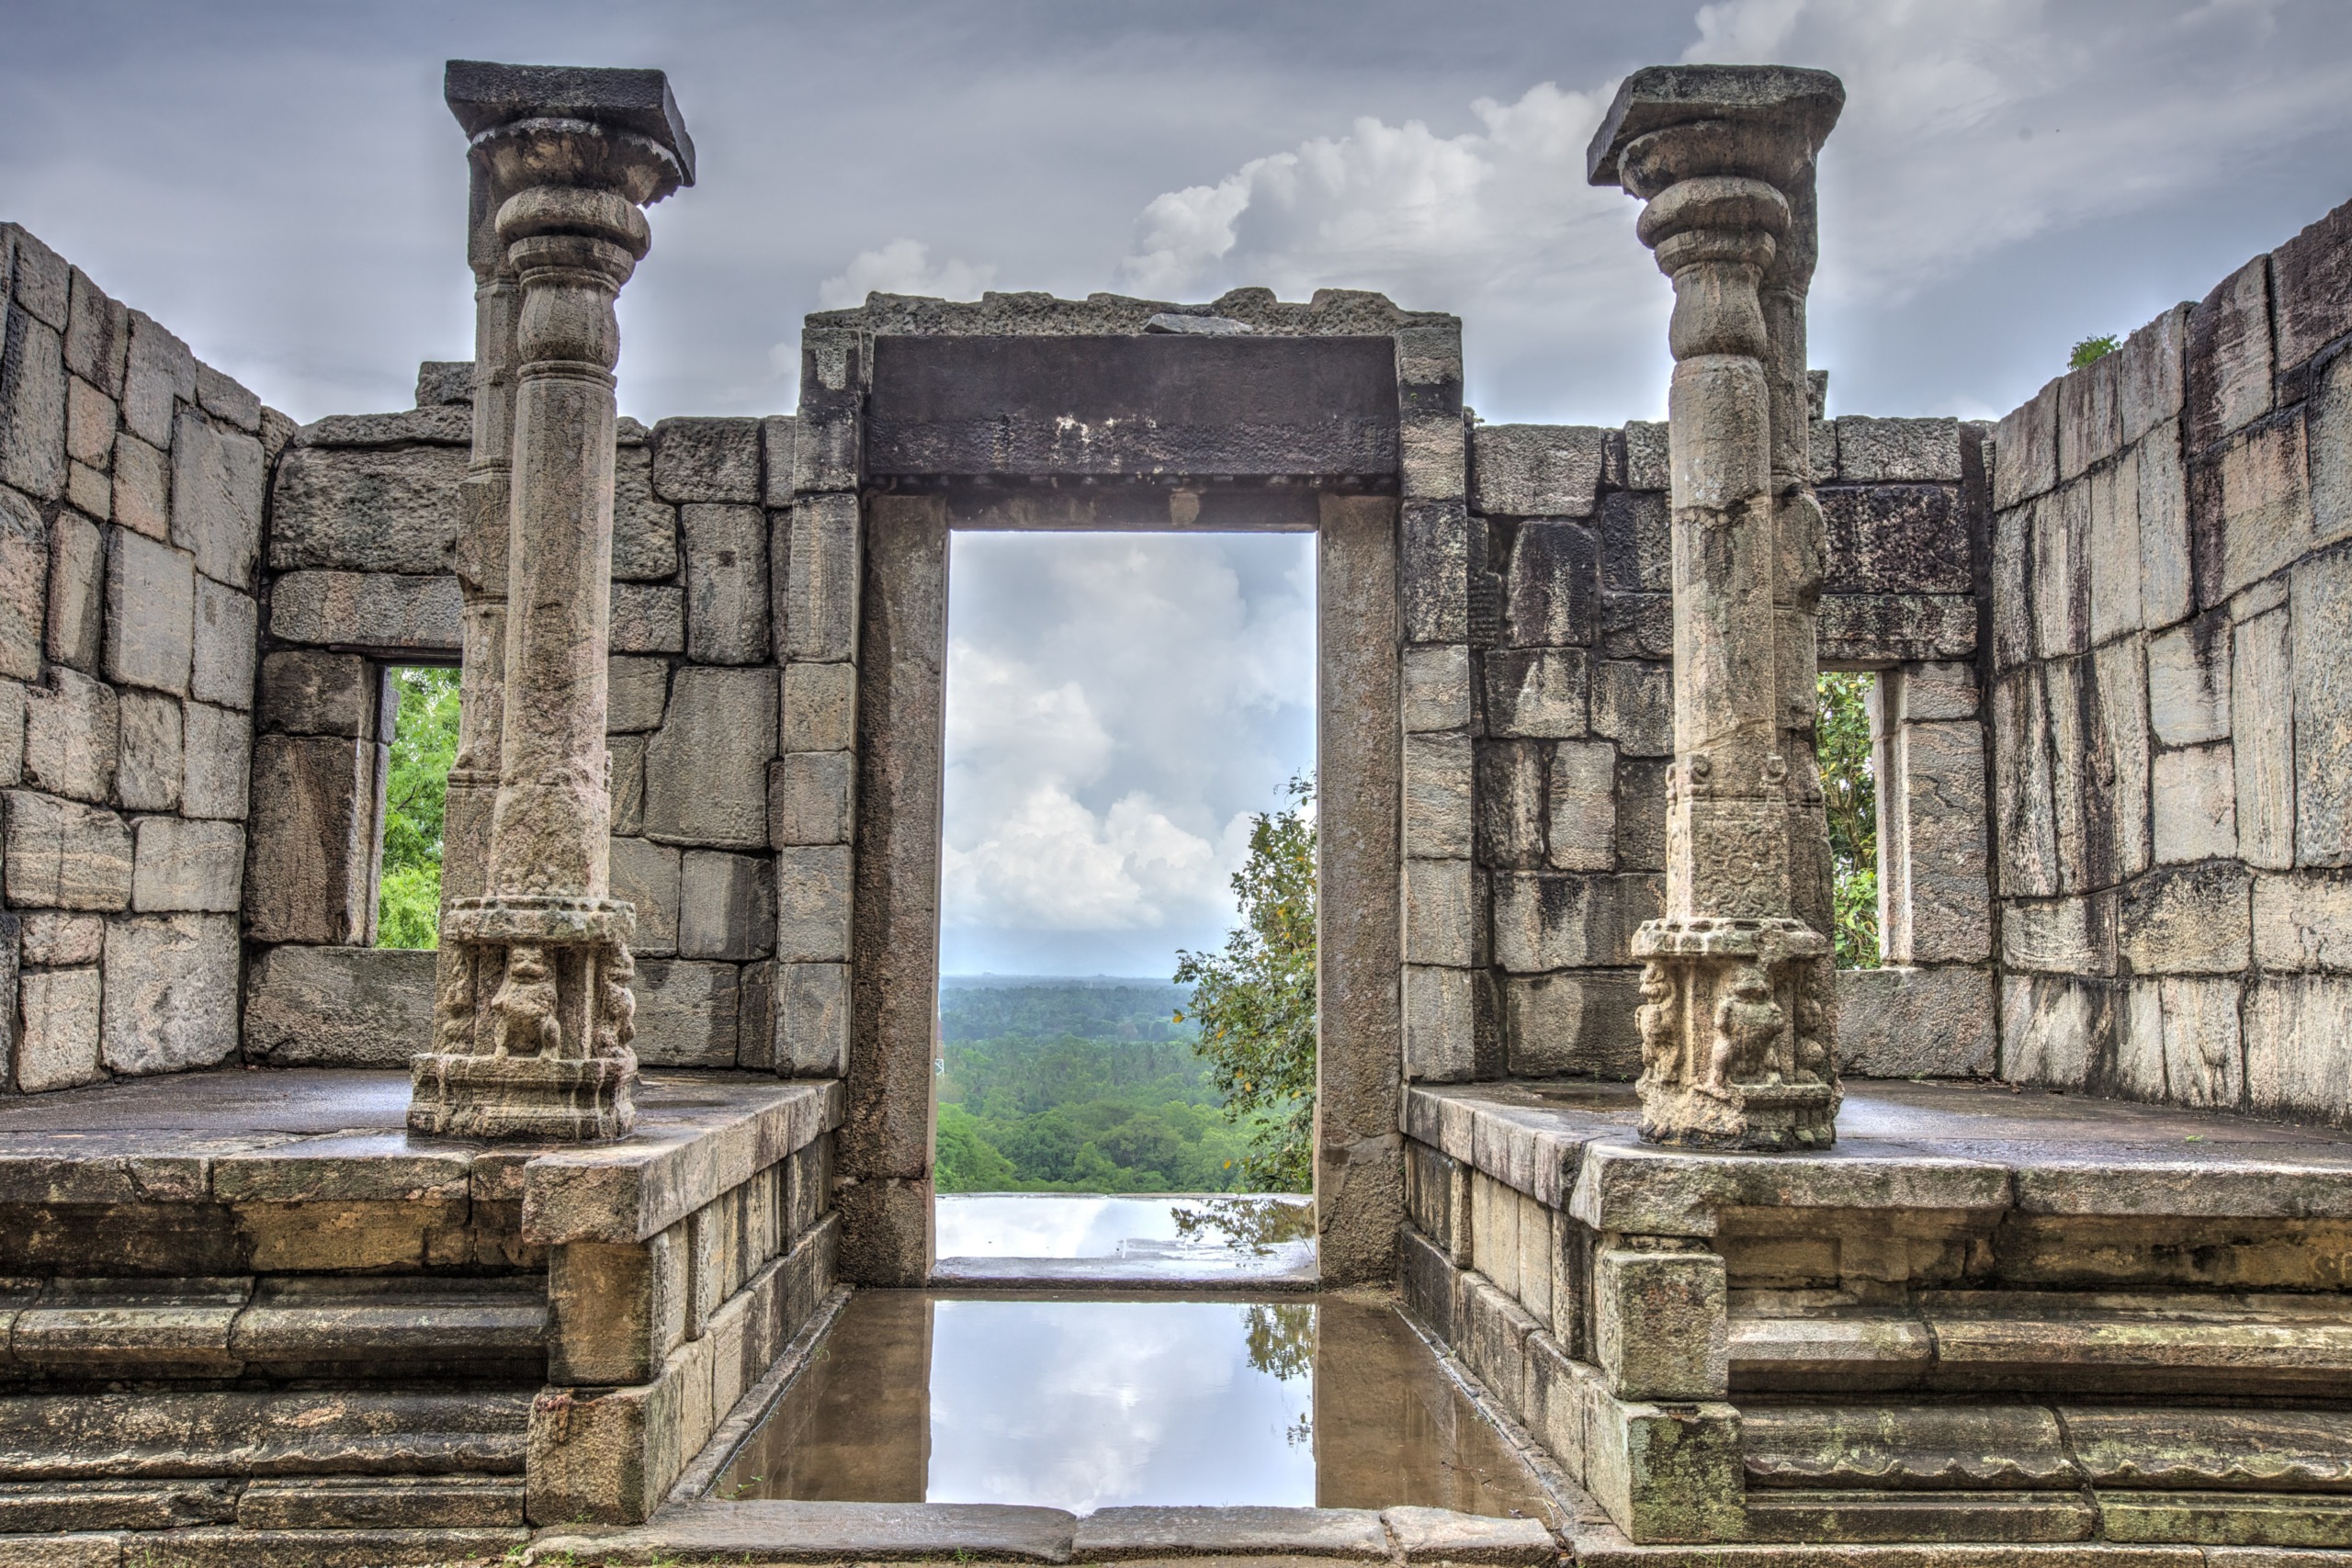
(424, 743)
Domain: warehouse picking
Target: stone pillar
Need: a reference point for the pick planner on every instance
(1737, 1049)
(534, 1017)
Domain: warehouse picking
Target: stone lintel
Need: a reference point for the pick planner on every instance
(1767, 97)
(483, 95)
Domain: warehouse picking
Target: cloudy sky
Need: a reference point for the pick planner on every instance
(280, 184)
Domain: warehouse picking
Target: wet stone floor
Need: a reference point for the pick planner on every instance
(1068, 1401)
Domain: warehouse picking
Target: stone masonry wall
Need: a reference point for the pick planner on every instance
(131, 490)
(364, 522)
(2172, 595)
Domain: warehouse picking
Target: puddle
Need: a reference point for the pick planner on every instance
(1093, 1403)
(1024, 1225)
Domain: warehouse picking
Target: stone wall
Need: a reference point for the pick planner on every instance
(132, 481)
(2170, 713)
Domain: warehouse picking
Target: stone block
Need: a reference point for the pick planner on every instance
(2060, 936)
(75, 618)
(2026, 823)
(811, 798)
(97, 336)
(2262, 679)
(707, 459)
(1440, 1025)
(1929, 693)
(1510, 795)
(2059, 583)
(59, 1045)
(1573, 1024)
(2112, 551)
(1664, 1473)
(2118, 673)
(72, 737)
(310, 872)
(89, 492)
(618, 1310)
(648, 876)
(1944, 879)
(1535, 470)
(2321, 617)
(150, 612)
(39, 278)
(2311, 281)
(404, 613)
(777, 435)
(2196, 804)
(649, 617)
(1545, 921)
(192, 867)
(2012, 604)
(143, 488)
(217, 479)
(820, 707)
(393, 508)
(152, 766)
(2179, 1041)
(2186, 919)
(2188, 681)
(686, 1013)
(624, 768)
(1444, 921)
(1641, 814)
(645, 528)
(2089, 428)
(32, 406)
(706, 768)
(637, 690)
(160, 373)
(307, 692)
(2078, 792)
(2026, 450)
(1890, 628)
(338, 1006)
(811, 1019)
(812, 897)
(171, 992)
(1438, 797)
(2250, 508)
(1581, 807)
(1552, 591)
(53, 939)
(1434, 571)
(1432, 457)
(445, 383)
(727, 583)
(2148, 376)
(1647, 452)
(1898, 451)
(2055, 1028)
(818, 616)
(1636, 543)
(90, 424)
(1915, 1022)
(2228, 382)
(218, 744)
(1637, 626)
(1633, 703)
(726, 906)
(1442, 1534)
(2295, 1064)
(1661, 1322)
(1821, 449)
(1535, 693)
(227, 641)
(1895, 538)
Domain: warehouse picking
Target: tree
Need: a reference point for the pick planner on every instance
(1254, 1003)
(1849, 792)
(424, 743)
(2091, 350)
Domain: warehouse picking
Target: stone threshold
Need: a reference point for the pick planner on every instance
(777, 1532)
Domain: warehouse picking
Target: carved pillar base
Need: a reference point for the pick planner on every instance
(533, 1024)
(1733, 1054)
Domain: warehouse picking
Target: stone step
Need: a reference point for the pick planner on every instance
(308, 1502)
(189, 1436)
(2170, 1344)
(66, 1329)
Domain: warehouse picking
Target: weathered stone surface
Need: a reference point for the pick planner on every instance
(1545, 921)
(811, 797)
(2188, 681)
(645, 529)
(820, 707)
(310, 862)
(58, 1047)
(1438, 797)
(445, 383)
(2059, 578)
(338, 1006)
(2188, 920)
(304, 691)
(12, 734)
(1633, 703)
(32, 407)
(2288, 1070)
(1641, 814)
(1942, 877)
(1552, 591)
(2178, 1041)
(2053, 1027)
(2148, 375)
(2196, 804)
(217, 476)
(180, 865)
(2112, 551)
(1661, 1328)
(2229, 355)
(368, 609)
(392, 509)
(1581, 801)
(24, 548)
(1878, 629)
(1535, 470)
(158, 373)
(2088, 429)
(97, 336)
(817, 615)
(2302, 920)
(142, 487)
(1898, 451)
(646, 875)
(2026, 450)
(228, 629)
(75, 618)
(706, 768)
(2250, 509)
(218, 744)
(1442, 1534)
(726, 906)
(812, 897)
(811, 1019)
(72, 737)
(625, 755)
(686, 1013)
(649, 617)
(2061, 936)
(1510, 827)
(1110, 1535)
(2012, 604)
(383, 1504)
(1895, 538)
(1575, 1023)
(150, 612)
(54, 940)
(171, 992)
(1432, 457)
(637, 690)
(2321, 617)
(1636, 543)
(1913, 1023)
(152, 766)
(1442, 913)
(707, 459)
(727, 583)
(1538, 694)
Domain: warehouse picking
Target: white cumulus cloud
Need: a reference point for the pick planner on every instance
(902, 267)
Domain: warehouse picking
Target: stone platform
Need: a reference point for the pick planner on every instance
(1986, 1318)
(245, 1317)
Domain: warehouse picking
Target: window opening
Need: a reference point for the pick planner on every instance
(1845, 732)
(416, 784)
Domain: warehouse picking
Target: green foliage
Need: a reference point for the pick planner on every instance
(424, 743)
(1255, 1002)
(2093, 349)
(1849, 790)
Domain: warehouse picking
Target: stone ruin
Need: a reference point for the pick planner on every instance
(2031, 1245)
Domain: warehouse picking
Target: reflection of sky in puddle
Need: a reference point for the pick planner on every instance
(1020, 1224)
(1094, 1404)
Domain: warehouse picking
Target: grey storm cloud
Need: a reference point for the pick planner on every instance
(279, 183)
